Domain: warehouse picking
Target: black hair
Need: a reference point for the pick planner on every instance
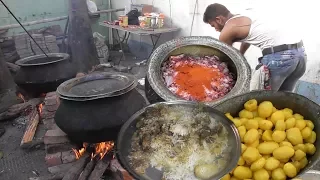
(214, 10)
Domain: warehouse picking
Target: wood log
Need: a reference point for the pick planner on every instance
(87, 170)
(100, 168)
(49, 177)
(33, 121)
(15, 110)
(12, 67)
(75, 171)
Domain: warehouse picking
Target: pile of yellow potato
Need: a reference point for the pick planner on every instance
(275, 143)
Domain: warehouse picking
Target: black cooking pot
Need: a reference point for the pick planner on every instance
(94, 107)
(40, 74)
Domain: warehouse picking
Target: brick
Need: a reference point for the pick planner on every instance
(48, 115)
(62, 168)
(48, 123)
(53, 159)
(68, 157)
(53, 148)
(50, 94)
(52, 100)
(56, 136)
(52, 108)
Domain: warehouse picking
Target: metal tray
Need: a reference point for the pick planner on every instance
(95, 85)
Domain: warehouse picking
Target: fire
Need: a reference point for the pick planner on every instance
(21, 97)
(40, 107)
(100, 149)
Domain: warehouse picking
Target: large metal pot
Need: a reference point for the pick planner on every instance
(124, 141)
(195, 45)
(94, 107)
(40, 74)
(299, 104)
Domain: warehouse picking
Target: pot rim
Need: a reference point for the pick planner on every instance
(160, 87)
(236, 150)
(21, 62)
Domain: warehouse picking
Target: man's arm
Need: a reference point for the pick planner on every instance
(244, 47)
(227, 36)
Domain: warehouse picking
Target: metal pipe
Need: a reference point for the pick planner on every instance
(10, 26)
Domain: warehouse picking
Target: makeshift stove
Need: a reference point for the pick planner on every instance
(68, 160)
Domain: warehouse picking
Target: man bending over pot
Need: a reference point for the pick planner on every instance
(283, 54)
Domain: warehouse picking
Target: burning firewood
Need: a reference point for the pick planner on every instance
(15, 110)
(75, 171)
(33, 121)
(87, 170)
(100, 168)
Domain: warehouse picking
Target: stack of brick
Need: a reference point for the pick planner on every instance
(23, 46)
(51, 44)
(41, 42)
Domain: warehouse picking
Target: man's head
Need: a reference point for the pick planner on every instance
(216, 15)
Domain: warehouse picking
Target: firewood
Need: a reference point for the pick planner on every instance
(48, 177)
(33, 121)
(87, 171)
(100, 168)
(75, 171)
(15, 110)
(12, 67)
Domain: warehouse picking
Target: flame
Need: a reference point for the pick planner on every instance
(21, 97)
(100, 149)
(40, 107)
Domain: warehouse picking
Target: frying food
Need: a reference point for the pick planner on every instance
(276, 143)
(184, 143)
(197, 78)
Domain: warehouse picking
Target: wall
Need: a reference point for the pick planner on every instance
(30, 10)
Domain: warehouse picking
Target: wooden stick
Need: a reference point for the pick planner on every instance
(31, 128)
(87, 171)
(100, 168)
(48, 177)
(75, 171)
(15, 110)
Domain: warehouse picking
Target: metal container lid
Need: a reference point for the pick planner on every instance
(96, 85)
(310, 175)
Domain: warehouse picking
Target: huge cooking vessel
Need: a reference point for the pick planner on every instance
(299, 104)
(94, 107)
(156, 89)
(40, 74)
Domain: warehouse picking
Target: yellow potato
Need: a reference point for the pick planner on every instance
(229, 116)
(290, 170)
(290, 123)
(298, 116)
(281, 165)
(284, 160)
(243, 148)
(265, 125)
(234, 178)
(266, 156)
(267, 135)
(252, 124)
(300, 124)
(303, 162)
(242, 172)
(298, 155)
(251, 136)
(283, 152)
(242, 131)
(250, 155)
(278, 174)
(258, 119)
(267, 147)
(226, 177)
(276, 116)
(258, 164)
(306, 132)
(265, 109)
(243, 121)
(251, 105)
(294, 136)
(236, 122)
(205, 171)
(302, 147)
(278, 136)
(241, 161)
(287, 113)
(310, 148)
(280, 125)
(274, 109)
(245, 114)
(260, 131)
(261, 174)
(311, 139)
(297, 165)
(285, 143)
(255, 113)
(271, 164)
(254, 144)
(310, 124)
